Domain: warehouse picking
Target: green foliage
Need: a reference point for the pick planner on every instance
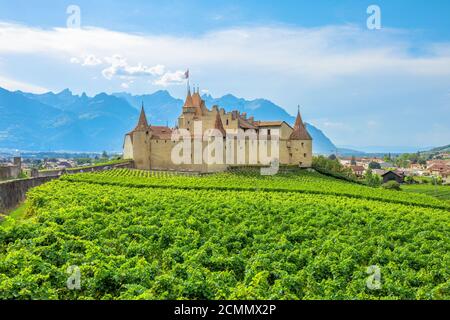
(392, 185)
(333, 167)
(22, 175)
(148, 235)
(405, 159)
(371, 179)
(302, 182)
(438, 191)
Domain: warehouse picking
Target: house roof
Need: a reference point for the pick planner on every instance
(269, 123)
(161, 132)
(397, 173)
(245, 124)
(357, 168)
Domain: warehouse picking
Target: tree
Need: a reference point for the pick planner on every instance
(392, 185)
(371, 179)
(332, 157)
(104, 154)
(374, 165)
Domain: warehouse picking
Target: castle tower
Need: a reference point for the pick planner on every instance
(301, 143)
(141, 136)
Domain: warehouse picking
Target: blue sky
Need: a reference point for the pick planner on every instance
(362, 87)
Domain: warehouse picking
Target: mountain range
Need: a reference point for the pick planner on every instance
(65, 121)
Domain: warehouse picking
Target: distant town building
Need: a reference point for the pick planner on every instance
(358, 170)
(385, 165)
(379, 172)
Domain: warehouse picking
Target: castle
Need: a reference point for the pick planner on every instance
(152, 147)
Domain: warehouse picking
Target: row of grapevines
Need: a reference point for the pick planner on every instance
(141, 243)
(300, 182)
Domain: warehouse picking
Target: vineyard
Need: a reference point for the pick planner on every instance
(440, 192)
(153, 235)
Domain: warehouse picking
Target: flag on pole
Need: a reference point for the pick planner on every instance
(186, 74)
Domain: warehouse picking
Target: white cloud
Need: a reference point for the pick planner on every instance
(91, 60)
(339, 73)
(311, 52)
(119, 67)
(170, 78)
(87, 60)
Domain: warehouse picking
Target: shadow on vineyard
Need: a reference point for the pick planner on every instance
(130, 234)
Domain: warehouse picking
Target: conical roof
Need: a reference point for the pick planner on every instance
(219, 125)
(142, 123)
(299, 132)
(188, 103)
(196, 99)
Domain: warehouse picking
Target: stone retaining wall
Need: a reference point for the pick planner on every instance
(12, 193)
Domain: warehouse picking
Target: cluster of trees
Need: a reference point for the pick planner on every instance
(405, 159)
(332, 166)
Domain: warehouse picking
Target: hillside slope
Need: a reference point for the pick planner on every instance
(155, 240)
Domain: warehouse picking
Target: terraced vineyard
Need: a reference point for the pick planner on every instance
(440, 192)
(141, 235)
(307, 182)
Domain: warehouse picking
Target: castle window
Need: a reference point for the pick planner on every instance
(304, 155)
(303, 144)
(227, 121)
(268, 132)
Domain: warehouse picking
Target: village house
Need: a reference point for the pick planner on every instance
(358, 170)
(439, 169)
(393, 175)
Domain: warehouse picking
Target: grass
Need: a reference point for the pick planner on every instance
(16, 214)
(440, 192)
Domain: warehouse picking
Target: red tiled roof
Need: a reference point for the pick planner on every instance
(268, 123)
(142, 123)
(161, 132)
(219, 125)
